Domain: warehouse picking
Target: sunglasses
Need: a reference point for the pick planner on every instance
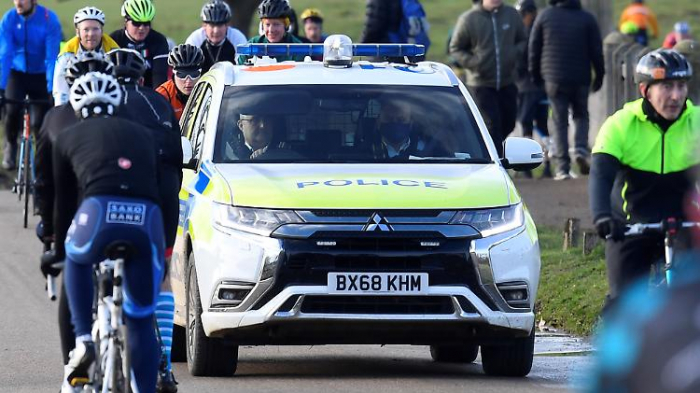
(184, 74)
(139, 24)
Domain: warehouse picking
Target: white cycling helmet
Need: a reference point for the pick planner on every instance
(89, 13)
(95, 94)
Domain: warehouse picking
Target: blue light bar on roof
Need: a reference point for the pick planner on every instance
(370, 50)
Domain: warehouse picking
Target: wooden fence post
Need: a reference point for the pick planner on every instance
(572, 231)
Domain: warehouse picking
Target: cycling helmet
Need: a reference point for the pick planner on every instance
(129, 65)
(274, 9)
(89, 13)
(681, 28)
(85, 62)
(662, 65)
(525, 6)
(313, 14)
(139, 10)
(186, 56)
(95, 94)
(216, 12)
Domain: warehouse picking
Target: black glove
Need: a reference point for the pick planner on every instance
(48, 264)
(597, 84)
(608, 227)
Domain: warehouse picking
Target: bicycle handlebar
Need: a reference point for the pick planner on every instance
(659, 227)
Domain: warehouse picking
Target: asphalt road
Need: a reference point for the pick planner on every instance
(30, 358)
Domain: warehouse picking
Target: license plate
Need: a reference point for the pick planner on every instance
(389, 283)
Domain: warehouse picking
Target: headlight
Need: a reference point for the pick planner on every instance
(258, 221)
(492, 221)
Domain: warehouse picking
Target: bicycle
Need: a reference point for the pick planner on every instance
(663, 275)
(26, 174)
(112, 371)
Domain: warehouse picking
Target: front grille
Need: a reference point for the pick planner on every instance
(396, 305)
(306, 263)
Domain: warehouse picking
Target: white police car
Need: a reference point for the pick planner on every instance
(350, 202)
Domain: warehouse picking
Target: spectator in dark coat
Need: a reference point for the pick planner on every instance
(533, 106)
(488, 41)
(382, 16)
(565, 44)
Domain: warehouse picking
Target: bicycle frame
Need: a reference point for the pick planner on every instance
(26, 173)
(109, 331)
(670, 229)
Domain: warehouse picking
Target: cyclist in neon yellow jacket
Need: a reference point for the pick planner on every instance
(642, 161)
(89, 24)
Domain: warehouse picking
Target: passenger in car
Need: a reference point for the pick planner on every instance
(398, 136)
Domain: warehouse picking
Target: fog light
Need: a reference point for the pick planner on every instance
(515, 294)
(230, 294)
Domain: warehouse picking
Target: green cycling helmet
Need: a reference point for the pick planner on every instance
(139, 10)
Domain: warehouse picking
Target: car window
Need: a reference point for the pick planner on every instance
(347, 123)
(190, 110)
(200, 122)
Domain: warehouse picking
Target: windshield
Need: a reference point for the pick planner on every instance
(347, 124)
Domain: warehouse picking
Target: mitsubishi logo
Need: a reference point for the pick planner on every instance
(377, 223)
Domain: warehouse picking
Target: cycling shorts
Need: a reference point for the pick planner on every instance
(102, 220)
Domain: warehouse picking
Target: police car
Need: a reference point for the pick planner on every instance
(345, 201)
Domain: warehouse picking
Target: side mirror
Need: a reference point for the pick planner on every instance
(522, 154)
(187, 161)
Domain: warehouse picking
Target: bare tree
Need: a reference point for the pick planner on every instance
(243, 11)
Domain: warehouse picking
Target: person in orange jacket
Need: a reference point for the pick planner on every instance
(186, 61)
(642, 16)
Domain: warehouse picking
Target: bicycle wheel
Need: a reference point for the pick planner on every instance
(19, 185)
(120, 378)
(32, 175)
(26, 179)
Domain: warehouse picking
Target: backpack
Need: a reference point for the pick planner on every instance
(414, 26)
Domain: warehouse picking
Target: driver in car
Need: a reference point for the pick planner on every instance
(395, 127)
(258, 132)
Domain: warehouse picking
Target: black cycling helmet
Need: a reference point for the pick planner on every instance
(525, 6)
(216, 12)
(85, 62)
(129, 65)
(662, 65)
(274, 9)
(186, 56)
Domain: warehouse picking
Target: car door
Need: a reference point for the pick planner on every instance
(193, 128)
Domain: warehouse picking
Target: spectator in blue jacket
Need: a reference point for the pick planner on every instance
(30, 36)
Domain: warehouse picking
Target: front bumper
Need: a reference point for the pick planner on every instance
(463, 301)
(277, 322)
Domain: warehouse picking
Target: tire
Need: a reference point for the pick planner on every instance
(465, 353)
(20, 172)
(121, 370)
(511, 360)
(206, 357)
(178, 352)
(26, 179)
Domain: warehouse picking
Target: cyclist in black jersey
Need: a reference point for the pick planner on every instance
(148, 108)
(138, 34)
(109, 164)
(57, 120)
(217, 40)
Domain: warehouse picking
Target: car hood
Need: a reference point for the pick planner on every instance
(360, 186)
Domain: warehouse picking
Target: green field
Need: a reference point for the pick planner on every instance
(177, 18)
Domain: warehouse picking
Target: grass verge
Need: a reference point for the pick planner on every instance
(572, 286)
